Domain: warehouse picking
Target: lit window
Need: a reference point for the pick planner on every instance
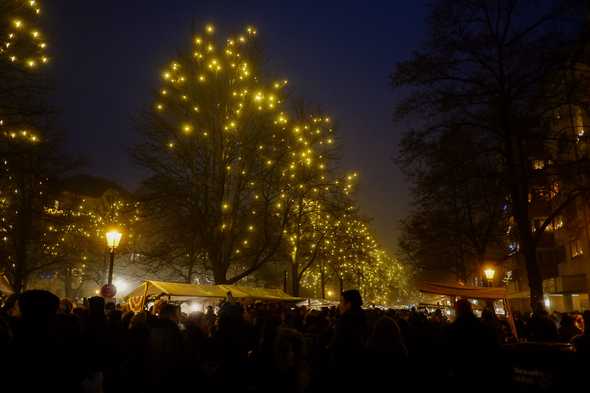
(576, 249)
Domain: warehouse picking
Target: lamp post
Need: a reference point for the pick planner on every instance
(489, 274)
(113, 238)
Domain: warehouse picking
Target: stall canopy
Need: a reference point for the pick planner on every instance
(492, 293)
(183, 290)
(462, 291)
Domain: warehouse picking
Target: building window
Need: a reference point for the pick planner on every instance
(576, 249)
(557, 223)
(554, 190)
(538, 165)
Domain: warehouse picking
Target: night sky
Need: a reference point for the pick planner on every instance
(107, 58)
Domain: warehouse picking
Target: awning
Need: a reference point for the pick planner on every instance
(184, 290)
(258, 293)
(462, 291)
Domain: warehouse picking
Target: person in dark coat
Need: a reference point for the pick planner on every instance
(348, 344)
(386, 354)
(166, 351)
(474, 353)
(582, 341)
(541, 327)
(44, 345)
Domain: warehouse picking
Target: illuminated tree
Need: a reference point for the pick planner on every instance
(316, 196)
(28, 154)
(22, 41)
(352, 258)
(219, 150)
(74, 236)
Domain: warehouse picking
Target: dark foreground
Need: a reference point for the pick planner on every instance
(47, 345)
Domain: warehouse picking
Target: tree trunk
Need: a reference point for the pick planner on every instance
(219, 275)
(219, 267)
(23, 234)
(341, 282)
(322, 281)
(520, 211)
(295, 279)
(68, 281)
(189, 274)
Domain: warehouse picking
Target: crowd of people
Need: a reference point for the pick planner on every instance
(51, 344)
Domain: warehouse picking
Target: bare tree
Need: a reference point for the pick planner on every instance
(500, 68)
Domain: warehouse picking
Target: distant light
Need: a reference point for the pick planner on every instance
(113, 238)
(121, 285)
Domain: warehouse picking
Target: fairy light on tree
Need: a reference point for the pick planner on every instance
(21, 40)
(218, 141)
(28, 157)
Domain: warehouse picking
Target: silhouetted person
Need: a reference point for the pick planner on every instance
(166, 351)
(386, 354)
(474, 352)
(519, 323)
(348, 343)
(229, 348)
(8, 319)
(290, 372)
(568, 330)
(582, 341)
(43, 347)
(541, 327)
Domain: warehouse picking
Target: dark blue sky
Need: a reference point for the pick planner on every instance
(107, 56)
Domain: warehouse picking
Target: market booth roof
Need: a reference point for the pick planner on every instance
(462, 291)
(184, 290)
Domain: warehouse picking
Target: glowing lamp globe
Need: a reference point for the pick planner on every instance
(113, 239)
(489, 273)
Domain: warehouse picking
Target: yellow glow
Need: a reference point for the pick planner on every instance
(489, 273)
(113, 238)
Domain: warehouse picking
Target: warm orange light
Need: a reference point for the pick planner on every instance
(489, 273)
(113, 238)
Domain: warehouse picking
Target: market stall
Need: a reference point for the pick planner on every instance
(180, 292)
(468, 292)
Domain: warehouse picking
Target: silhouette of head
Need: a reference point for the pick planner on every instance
(169, 312)
(38, 305)
(350, 300)
(96, 305)
(463, 308)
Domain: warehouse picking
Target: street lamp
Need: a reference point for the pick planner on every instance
(489, 274)
(330, 293)
(113, 238)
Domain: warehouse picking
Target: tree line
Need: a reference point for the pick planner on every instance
(243, 181)
(498, 101)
